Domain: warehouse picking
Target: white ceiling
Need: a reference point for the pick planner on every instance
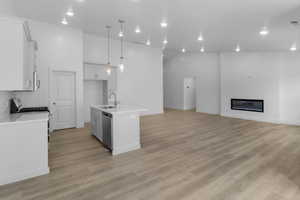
(224, 23)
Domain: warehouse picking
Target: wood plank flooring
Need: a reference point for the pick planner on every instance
(185, 155)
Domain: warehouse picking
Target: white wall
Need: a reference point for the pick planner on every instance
(92, 95)
(290, 88)
(4, 104)
(141, 82)
(271, 76)
(6, 9)
(60, 48)
(205, 68)
(251, 76)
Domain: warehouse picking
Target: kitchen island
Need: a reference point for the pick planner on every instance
(117, 127)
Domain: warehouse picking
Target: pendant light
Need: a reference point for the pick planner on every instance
(121, 65)
(108, 67)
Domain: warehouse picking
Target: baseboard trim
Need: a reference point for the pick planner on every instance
(252, 119)
(125, 149)
(19, 176)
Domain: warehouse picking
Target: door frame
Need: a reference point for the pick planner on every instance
(195, 93)
(77, 97)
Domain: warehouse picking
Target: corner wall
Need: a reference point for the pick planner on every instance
(272, 76)
(204, 67)
(250, 76)
(60, 48)
(6, 9)
(141, 82)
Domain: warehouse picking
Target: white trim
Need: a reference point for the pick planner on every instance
(124, 149)
(290, 122)
(251, 118)
(22, 175)
(77, 80)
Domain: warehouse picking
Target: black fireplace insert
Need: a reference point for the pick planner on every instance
(254, 105)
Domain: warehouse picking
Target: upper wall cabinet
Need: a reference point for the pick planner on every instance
(17, 58)
(97, 72)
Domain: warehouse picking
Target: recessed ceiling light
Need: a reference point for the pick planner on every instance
(238, 49)
(64, 21)
(165, 41)
(200, 37)
(163, 24)
(264, 31)
(70, 12)
(137, 30)
(293, 47)
(148, 42)
(183, 50)
(202, 49)
(80, 1)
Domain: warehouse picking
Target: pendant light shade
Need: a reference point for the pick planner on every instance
(121, 65)
(108, 67)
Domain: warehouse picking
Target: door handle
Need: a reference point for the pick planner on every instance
(54, 103)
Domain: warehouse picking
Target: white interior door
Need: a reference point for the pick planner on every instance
(189, 94)
(63, 99)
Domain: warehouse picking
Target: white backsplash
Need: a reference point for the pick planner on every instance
(4, 104)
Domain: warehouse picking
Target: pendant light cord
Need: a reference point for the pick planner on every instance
(108, 44)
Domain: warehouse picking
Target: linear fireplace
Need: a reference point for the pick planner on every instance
(254, 105)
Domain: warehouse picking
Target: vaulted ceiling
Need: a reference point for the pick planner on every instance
(223, 23)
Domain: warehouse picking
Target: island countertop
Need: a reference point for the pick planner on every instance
(120, 109)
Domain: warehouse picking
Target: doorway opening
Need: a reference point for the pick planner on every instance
(63, 99)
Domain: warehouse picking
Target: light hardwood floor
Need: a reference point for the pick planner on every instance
(185, 155)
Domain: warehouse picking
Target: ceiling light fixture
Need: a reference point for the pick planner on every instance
(70, 12)
(293, 47)
(121, 65)
(121, 33)
(238, 49)
(148, 42)
(264, 31)
(165, 41)
(64, 21)
(163, 24)
(108, 69)
(137, 30)
(202, 49)
(200, 37)
(183, 50)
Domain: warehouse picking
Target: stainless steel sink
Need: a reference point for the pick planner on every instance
(108, 107)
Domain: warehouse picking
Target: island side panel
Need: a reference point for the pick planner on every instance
(126, 132)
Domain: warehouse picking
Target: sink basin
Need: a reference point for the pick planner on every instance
(108, 107)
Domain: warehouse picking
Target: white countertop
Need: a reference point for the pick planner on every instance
(24, 117)
(120, 109)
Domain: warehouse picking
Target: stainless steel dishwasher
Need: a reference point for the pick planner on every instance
(107, 134)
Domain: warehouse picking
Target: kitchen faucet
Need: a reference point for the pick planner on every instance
(112, 93)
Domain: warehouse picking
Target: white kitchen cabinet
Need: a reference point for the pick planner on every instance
(23, 146)
(17, 55)
(96, 123)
